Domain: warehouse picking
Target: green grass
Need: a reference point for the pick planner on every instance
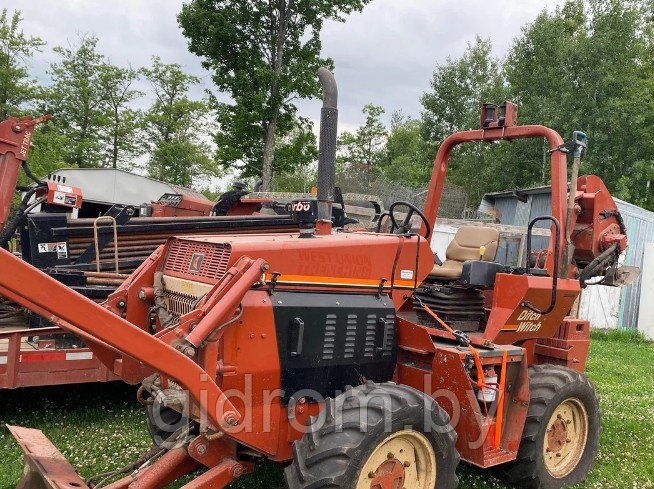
(101, 427)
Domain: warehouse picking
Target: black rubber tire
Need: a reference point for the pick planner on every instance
(169, 422)
(333, 456)
(550, 385)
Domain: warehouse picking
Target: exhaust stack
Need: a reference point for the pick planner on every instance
(327, 150)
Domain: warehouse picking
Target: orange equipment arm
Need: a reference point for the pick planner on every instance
(15, 139)
(30, 287)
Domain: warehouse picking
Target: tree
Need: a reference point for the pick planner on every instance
(179, 162)
(294, 154)
(361, 153)
(585, 67)
(174, 126)
(48, 152)
(457, 90)
(265, 54)
(409, 157)
(76, 100)
(121, 135)
(15, 49)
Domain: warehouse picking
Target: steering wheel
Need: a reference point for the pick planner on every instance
(405, 226)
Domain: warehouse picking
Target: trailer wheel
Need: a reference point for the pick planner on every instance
(376, 436)
(561, 436)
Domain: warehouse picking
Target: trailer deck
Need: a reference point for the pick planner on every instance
(28, 358)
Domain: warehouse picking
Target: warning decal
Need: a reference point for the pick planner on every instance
(60, 248)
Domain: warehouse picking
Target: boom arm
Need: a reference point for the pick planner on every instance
(35, 290)
(15, 139)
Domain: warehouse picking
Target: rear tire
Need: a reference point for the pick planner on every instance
(561, 435)
(400, 434)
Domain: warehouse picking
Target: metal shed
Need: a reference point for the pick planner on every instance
(518, 207)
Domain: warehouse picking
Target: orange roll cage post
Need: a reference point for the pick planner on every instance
(507, 133)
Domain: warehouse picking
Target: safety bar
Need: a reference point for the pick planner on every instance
(97, 245)
(558, 164)
(555, 274)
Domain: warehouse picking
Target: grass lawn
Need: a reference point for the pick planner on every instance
(101, 427)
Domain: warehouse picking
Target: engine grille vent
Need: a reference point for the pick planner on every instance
(389, 334)
(371, 333)
(179, 304)
(198, 259)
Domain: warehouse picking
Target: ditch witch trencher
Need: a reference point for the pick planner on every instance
(349, 357)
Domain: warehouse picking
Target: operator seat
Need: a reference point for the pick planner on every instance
(465, 246)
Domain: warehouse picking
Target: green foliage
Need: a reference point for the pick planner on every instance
(210, 193)
(458, 88)
(121, 138)
(585, 66)
(173, 126)
(293, 156)
(362, 153)
(95, 120)
(299, 180)
(179, 162)
(265, 54)
(75, 98)
(629, 336)
(48, 152)
(580, 68)
(15, 49)
(408, 156)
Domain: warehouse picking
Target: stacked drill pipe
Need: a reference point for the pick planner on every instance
(142, 236)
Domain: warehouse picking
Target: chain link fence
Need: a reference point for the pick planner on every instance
(454, 202)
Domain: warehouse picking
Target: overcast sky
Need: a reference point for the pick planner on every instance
(384, 55)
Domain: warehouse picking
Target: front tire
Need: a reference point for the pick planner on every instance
(561, 436)
(376, 436)
(167, 427)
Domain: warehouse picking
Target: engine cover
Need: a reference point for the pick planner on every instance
(327, 341)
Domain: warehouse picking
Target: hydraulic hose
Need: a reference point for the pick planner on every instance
(23, 209)
(599, 261)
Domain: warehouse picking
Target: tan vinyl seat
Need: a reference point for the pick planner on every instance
(465, 246)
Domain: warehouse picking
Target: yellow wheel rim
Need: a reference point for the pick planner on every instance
(404, 459)
(566, 437)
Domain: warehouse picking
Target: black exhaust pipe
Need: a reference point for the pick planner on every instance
(327, 145)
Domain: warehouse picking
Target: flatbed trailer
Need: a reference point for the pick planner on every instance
(26, 360)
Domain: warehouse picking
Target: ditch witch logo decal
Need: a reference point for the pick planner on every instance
(528, 321)
(524, 321)
(196, 262)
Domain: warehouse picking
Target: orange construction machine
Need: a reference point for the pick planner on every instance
(348, 356)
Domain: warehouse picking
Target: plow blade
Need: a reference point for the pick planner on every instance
(45, 467)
